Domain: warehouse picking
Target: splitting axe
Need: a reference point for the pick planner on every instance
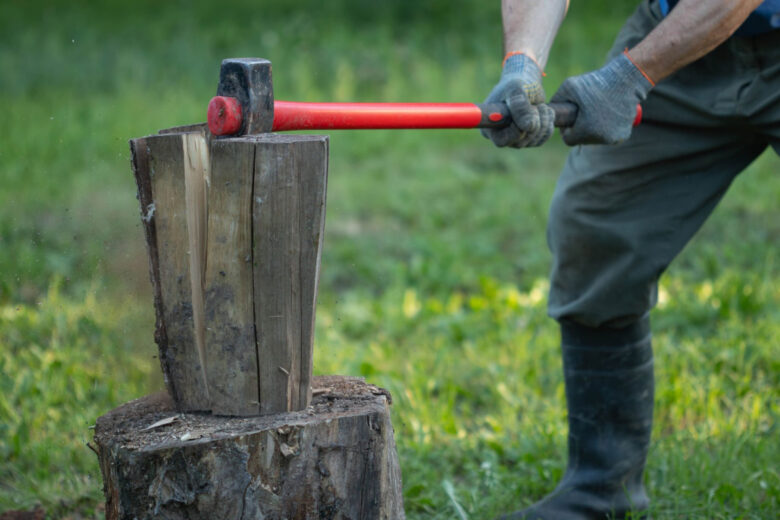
(244, 104)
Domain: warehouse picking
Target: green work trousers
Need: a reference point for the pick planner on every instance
(620, 214)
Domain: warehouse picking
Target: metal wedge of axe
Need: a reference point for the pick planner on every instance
(245, 105)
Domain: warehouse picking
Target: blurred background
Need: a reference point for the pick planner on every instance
(434, 270)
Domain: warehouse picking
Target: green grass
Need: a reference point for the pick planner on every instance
(434, 269)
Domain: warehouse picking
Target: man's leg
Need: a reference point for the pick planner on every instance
(618, 217)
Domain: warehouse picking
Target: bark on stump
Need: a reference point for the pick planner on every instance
(334, 460)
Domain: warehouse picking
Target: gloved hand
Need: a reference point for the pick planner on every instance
(606, 99)
(521, 89)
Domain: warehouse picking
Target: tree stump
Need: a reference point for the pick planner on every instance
(334, 460)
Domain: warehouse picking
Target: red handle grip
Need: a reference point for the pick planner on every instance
(225, 117)
(290, 115)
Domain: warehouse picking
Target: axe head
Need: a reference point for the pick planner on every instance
(247, 80)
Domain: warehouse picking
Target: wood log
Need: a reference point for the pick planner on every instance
(231, 357)
(289, 215)
(158, 163)
(235, 321)
(336, 460)
(197, 173)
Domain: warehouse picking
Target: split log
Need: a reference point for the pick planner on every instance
(336, 460)
(234, 231)
(162, 193)
(231, 352)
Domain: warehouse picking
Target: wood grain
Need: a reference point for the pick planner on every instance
(195, 155)
(277, 274)
(168, 190)
(231, 353)
(139, 159)
(313, 171)
(288, 200)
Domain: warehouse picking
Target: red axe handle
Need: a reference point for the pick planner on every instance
(225, 115)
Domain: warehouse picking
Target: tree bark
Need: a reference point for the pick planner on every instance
(334, 460)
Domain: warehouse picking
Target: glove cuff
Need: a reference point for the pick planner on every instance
(624, 70)
(640, 69)
(522, 64)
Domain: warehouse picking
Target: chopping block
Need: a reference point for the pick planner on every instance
(335, 460)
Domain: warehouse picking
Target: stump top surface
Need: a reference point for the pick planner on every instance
(152, 422)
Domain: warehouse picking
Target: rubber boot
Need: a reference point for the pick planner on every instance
(609, 392)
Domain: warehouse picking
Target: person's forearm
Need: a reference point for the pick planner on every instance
(530, 26)
(691, 30)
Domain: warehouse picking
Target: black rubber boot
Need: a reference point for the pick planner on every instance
(609, 392)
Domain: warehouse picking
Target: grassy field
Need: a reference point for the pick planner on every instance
(434, 268)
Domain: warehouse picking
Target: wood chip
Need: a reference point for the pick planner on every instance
(161, 422)
(286, 450)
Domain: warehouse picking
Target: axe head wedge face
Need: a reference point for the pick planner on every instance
(249, 82)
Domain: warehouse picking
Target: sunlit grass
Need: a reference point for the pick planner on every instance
(63, 362)
(478, 392)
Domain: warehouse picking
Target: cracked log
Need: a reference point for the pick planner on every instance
(234, 231)
(334, 460)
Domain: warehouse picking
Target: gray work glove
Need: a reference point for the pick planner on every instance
(606, 99)
(521, 89)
